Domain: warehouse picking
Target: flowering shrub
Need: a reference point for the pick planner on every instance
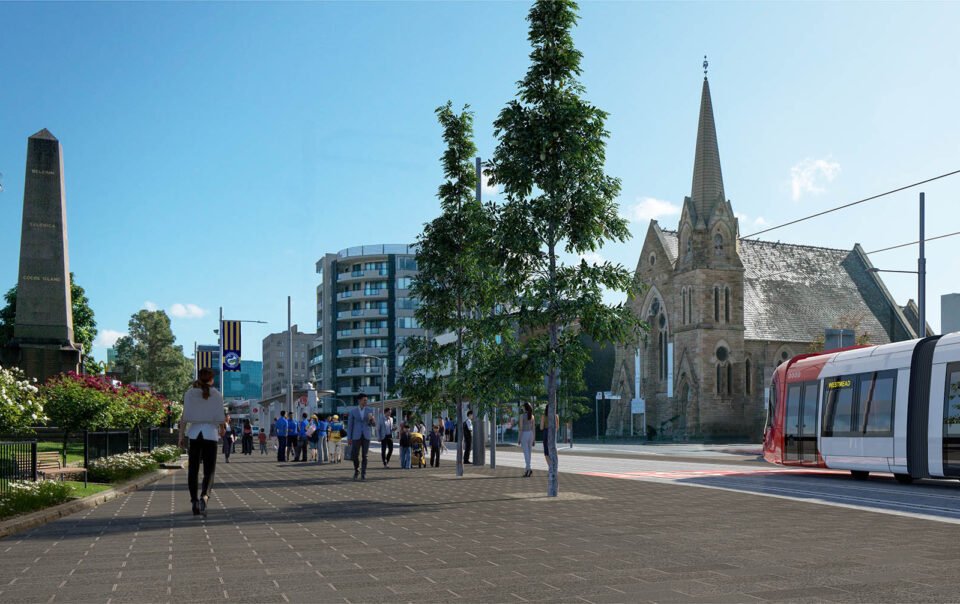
(166, 453)
(27, 496)
(20, 406)
(120, 467)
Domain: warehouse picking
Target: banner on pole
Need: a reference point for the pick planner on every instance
(230, 332)
(204, 359)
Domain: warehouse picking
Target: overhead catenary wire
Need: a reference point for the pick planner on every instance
(893, 247)
(853, 203)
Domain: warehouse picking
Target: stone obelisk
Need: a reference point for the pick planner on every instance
(43, 330)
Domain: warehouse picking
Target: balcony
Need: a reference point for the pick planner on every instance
(381, 292)
(345, 295)
(349, 371)
(317, 360)
(348, 333)
(353, 391)
(345, 353)
(371, 273)
(373, 330)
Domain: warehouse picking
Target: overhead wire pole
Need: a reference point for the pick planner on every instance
(289, 363)
(922, 278)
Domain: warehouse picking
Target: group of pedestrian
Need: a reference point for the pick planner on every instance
(309, 439)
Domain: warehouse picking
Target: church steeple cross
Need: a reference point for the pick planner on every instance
(705, 65)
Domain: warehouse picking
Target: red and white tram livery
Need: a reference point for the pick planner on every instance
(890, 408)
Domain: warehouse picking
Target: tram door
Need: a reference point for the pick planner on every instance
(800, 431)
(951, 422)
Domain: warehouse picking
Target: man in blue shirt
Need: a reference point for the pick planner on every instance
(281, 429)
(361, 428)
(291, 437)
(322, 427)
(302, 439)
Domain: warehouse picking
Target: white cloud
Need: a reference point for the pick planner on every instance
(809, 175)
(151, 306)
(188, 311)
(108, 337)
(593, 258)
(648, 208)
(758, 222)
(487, 188)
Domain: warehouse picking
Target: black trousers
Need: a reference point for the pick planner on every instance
(467, 446)
(434, 457)
(386, 449)
(202, 451)
(360, 447)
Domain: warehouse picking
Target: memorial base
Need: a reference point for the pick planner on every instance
(42, 361)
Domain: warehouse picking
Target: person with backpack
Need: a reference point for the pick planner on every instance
(336, 437)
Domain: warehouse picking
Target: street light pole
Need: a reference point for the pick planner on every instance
(922, 278)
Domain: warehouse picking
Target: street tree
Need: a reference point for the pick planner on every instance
(549, 164)
(150, 345)
(454, 284)
(84, 323)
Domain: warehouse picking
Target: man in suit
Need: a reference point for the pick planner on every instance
(361, 429)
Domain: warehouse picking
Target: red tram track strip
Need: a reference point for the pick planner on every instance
(679, 474)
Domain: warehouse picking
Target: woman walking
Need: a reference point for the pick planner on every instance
(527, 436)
(247, 443)
(203, 411)
(228, 438)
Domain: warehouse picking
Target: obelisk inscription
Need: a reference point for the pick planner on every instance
(43, 329)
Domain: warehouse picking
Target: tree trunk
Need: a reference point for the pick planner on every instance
(493, 440)
(553, 484)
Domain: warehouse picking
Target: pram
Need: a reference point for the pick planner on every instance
(416, 450)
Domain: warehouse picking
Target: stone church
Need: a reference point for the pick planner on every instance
(724, 312)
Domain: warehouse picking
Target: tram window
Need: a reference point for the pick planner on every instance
(772, 404)
(838, 405)
(951, 403)
(793, 409)
(876, 402)
(808, 420)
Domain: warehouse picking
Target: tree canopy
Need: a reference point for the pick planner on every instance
(150, 344)
(549, 162)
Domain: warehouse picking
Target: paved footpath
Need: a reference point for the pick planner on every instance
(306, 533)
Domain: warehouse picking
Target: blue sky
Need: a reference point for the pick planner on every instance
(213, 152)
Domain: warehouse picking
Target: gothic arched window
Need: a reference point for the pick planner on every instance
(683, 295)
(746, 375)
(719, 374)
(726, 304)
(716, 304)
(729, 378)
(718, 245)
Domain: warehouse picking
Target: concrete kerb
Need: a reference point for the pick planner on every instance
(40, 517)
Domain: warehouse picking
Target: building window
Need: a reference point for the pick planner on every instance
(718, 245)
(683, 294)
(716, 304)
(729, 378)
(746, 376)
(726, 304)
(688, 248)
(653, 259)
(660, 356)
(408, 323)
(719, 373)
(404, 282)
(406, 263)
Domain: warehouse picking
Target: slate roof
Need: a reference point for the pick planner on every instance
(793, 292)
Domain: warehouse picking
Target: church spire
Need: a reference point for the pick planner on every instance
(707, 187)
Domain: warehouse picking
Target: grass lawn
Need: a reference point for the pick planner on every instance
(92, 488)
(74, 450)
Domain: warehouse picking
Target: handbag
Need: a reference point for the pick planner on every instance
(343, 433)
(311, 429)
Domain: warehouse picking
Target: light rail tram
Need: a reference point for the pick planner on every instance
(889, 408)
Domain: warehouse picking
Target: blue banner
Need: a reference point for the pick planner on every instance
(230, 334)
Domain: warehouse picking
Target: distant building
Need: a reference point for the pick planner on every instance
(111, 356)
(724, 312)
(949, 313)
(277, 361)
(364, 314)
(244, 384)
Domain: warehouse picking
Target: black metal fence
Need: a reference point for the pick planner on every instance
(104, 444)
(18, 461)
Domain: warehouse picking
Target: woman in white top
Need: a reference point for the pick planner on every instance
(527, 435)
(203, 410)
